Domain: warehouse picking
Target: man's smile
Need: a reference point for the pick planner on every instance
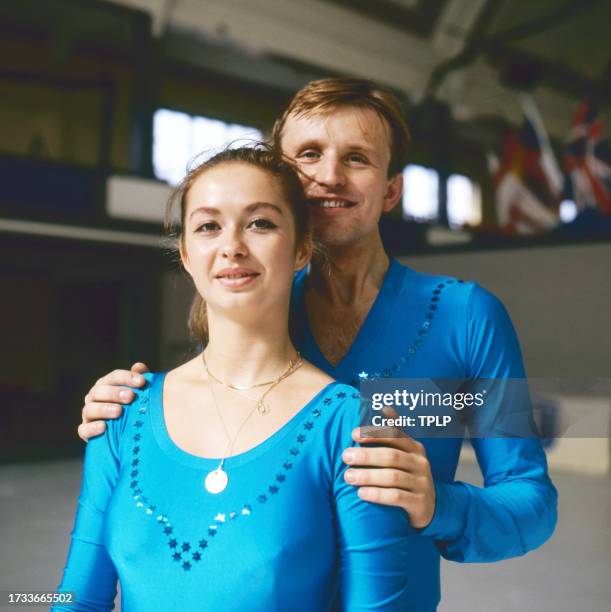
(327, 204)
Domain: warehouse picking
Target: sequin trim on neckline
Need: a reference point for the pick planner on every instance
(186, 554)
(414, 346)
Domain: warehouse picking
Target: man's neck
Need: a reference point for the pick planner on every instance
(352, 274)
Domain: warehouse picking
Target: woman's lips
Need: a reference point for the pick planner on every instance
(236, 278)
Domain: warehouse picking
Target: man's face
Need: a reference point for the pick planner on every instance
(343, 159)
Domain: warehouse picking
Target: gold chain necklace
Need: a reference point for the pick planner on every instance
(286, 373)
(216, 481)
(261, 406)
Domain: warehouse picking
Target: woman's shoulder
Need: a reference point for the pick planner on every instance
(135, 411)
(337, 400)
(337, 406)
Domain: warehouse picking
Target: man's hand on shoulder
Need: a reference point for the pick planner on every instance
(398, 474)
(104, 400)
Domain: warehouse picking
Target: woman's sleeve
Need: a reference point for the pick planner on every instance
(373, 543)
(89, 572)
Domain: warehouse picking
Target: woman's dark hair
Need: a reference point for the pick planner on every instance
(260, 155)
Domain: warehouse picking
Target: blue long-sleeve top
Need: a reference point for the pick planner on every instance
(286, 534)
(426, 326)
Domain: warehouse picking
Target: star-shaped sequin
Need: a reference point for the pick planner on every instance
(363, 375)
(341, 395)
(301, 438)
(280, 477)
(287, 465)
(262, 499)
(168, 530)
(308, 425)
(273, 489)
(186, 566)
(176, 556)
(138, 424)
(203, 544)
(197, 556)
(172, 543)
(186, 547)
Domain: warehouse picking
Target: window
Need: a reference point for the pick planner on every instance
(464, 203)
(420, 193)
(179, 138)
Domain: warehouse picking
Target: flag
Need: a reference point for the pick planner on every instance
(527, 179)
(588, 161)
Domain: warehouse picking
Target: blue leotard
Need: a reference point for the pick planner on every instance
(287, 533)
(425, 326)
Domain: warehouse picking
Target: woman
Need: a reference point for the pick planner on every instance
(221, 487)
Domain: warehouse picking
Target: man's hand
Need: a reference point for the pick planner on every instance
(402, 475)
(105, 398)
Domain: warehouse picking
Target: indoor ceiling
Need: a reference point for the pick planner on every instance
(473, 55)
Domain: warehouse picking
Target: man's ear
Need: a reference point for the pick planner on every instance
(394, 191)
(304, 253)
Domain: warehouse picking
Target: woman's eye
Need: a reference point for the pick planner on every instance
(262, 224)
(210, 226)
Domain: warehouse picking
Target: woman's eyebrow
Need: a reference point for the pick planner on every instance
(207, 210)
(213, 212)
(257, 205)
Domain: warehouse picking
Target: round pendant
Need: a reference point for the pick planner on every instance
(216, 481)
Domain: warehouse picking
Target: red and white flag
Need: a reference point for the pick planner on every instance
(588, 161)
(527, 179)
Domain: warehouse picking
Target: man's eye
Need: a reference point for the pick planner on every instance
(209, 226)
(356, 158)
(309, 154)
(262, 224)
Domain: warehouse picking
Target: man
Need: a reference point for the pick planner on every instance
(358, 315)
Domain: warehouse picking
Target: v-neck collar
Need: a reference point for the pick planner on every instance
(371, 330)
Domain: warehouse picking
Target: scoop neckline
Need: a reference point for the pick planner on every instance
(178, 454)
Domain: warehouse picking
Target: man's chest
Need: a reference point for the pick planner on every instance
(335, 329)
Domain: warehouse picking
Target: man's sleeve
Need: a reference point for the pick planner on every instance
(515, 511)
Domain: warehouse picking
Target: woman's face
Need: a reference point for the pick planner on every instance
(239, 239)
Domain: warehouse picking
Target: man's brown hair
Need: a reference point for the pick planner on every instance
(324, 95)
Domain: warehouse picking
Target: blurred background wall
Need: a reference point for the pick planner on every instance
(103, 104)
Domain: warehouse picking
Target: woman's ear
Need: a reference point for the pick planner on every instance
(183, 256)
(304, 252)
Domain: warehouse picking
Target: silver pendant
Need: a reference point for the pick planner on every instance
(216, 481)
